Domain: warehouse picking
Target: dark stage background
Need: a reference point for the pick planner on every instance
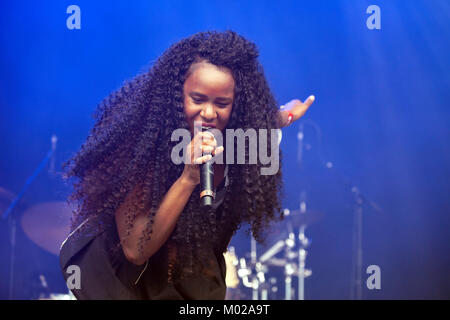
(381, 116)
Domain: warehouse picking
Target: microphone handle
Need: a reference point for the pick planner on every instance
(206, 183)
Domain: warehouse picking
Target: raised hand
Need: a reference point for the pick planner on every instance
(294, 110)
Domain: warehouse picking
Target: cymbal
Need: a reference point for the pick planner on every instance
(47, 224)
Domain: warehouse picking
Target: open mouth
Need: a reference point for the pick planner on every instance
(211, 125)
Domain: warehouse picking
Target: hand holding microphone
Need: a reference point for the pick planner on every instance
(207, 177)
(200, 151)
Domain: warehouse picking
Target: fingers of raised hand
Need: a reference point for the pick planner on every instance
(304, 106)
(301, 108)
(297, 108)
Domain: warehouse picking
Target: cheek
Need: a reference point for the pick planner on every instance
(226, 115)
(186, 105)
(189, 109)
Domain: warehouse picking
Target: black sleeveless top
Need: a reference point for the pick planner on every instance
(107, 274)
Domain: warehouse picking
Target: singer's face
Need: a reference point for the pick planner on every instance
(208, 95)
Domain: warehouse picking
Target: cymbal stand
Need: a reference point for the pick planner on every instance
(289, 268)
(262, 284)
(267, 258)
(302, 272)
(259, 285)
(250, 279)
(8, 214)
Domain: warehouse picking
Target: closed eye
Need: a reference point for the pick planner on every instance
(197, 100)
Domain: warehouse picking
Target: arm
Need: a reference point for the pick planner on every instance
(170, 207)
(164, 222)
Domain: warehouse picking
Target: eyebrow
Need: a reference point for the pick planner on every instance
(203, 96)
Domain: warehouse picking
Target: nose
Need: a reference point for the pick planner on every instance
(208, 112)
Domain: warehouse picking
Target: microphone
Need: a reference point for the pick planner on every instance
(206, 181)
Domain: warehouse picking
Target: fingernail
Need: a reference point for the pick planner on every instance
(312, 97)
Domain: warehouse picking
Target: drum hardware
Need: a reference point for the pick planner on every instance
(261, 270)
(293, 249)
(276, 262)
(9, 213)
(253, 277)
(244, 272)
(273, 286)
(293, 267)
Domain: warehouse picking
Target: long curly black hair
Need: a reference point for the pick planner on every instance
(130, 144)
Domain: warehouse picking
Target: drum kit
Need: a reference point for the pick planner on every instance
(286, 253)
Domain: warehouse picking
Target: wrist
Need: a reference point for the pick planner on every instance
(186, 182)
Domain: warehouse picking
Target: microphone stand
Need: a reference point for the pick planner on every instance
(359, 200)
(12, 221)
(357, 259)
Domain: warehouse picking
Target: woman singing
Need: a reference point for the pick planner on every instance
(139, 230)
